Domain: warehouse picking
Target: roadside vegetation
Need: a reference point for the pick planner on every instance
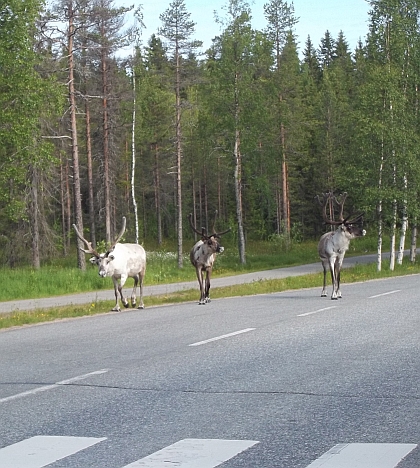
(62, 278)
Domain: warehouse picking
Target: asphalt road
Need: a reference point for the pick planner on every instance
(90, 297)
(284, 380)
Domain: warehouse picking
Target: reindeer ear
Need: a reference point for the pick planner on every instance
(92, 260)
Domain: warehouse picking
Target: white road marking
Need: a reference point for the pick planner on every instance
(40, 451)
(384, 294)
(363, 456)
(193, 453)
(246, 330)
(50, 387)
(316, 311)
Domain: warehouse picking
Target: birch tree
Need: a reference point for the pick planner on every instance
(392, 45)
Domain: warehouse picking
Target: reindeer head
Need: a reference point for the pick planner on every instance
(102, 260)
(212, 240)
(351, 226)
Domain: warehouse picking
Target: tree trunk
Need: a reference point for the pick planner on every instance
(413, 247)
(380, 218)
(105, 126)
(157, 196)
(285, 183)
(65, 203)
(238, 197)
(178, 158)
(34, 219)
(404, 226)
(393, 230)
(133, 160)
(81, 261)
(380, 238)
(92, 223)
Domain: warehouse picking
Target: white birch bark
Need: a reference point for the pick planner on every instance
(133, 160)
(413, 247)
(380, 222)
(404, 226)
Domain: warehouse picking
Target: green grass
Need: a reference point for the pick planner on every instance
(56, 280)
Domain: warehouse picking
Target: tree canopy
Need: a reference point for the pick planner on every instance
(253, 128)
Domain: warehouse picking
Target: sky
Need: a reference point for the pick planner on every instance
(315, 18)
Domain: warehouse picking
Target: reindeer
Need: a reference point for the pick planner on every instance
(333, 245)
(120, 261)
(203, 255)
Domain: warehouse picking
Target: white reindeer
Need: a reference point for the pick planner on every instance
(121, 261)
(203, 255)
(333, 245)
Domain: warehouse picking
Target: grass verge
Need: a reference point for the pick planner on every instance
(349, 275)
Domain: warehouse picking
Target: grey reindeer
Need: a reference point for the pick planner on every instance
(333, 245)
(203, 255)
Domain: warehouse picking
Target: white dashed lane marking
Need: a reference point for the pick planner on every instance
(221, 337)
(384, 294)
(52, 386)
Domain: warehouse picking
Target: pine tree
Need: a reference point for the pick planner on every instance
(177, 29)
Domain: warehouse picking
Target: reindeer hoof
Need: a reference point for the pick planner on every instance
(323, 294)
(133, 304)
(140, 307)
(116, 309)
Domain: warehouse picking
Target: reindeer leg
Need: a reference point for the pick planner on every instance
(120, 289)
(333, 278)
(116, 308)
(338, 275)
(133, 293)
(324, 287)
(207, 291)
(200, 278)
(141, 279)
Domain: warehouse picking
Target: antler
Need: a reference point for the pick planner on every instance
(90, 249)
(355, 220)
(339, 201)
(119, 235)
(343, 197)
(218, 234)
(327, 197)
(203, 231)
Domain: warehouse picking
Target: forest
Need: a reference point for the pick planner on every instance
(253, 129)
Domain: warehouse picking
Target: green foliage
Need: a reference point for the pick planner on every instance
(332, 119)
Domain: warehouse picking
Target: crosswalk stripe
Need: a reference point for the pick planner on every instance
(40, 451)
(190, 453)
(363, 456)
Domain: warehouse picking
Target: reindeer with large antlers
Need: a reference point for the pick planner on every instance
(120, 261)
(203, 255)
(333, 245)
